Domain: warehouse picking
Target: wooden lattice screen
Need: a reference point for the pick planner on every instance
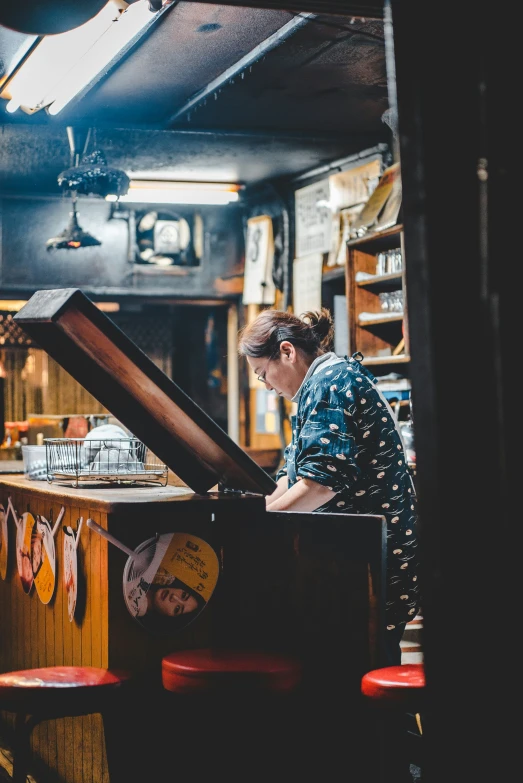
(35, 383)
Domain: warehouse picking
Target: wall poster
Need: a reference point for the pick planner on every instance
(258, 285)
(313, 219)
(354, 186)
(306, 276)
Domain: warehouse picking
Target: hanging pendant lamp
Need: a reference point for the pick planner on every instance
(73, 236)
(89, 175)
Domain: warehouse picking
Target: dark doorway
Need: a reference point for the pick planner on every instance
(200, 357)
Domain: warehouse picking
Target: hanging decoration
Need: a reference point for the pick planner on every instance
(25, 525)
(43, 556)
(70, 579)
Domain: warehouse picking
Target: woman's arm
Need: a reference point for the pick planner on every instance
(305, 495)
(282, 487)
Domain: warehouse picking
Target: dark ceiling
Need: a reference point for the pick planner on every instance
(216, 92)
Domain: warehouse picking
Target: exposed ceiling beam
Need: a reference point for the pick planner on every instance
(241, 65)
(362, 9)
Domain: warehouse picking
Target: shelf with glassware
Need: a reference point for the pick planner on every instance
(377, 301)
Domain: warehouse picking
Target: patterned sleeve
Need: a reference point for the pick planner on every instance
(283, 470)
(327, 443)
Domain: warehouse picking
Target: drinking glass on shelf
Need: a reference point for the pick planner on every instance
(385, 300)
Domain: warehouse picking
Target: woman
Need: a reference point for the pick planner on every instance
(346, 454)
(37, 550)
(164, 607)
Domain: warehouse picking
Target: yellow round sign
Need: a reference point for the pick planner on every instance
(170, 580)
(23, 550)
(43, 559)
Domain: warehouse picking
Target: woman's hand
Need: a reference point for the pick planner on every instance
(282, 487)
(305, 495)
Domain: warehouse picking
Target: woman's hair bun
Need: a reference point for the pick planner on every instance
(322, 324)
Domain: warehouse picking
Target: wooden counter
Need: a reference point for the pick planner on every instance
(311, 584)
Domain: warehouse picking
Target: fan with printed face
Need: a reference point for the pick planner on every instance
(164, 239)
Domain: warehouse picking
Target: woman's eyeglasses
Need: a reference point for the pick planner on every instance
(261, 377)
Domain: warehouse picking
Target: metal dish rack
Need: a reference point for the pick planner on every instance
(120, 461)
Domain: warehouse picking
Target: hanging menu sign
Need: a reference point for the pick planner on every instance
(313, 219)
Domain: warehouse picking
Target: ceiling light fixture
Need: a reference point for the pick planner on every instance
(171, 192)
(90, 175)
(12, 305)
(73, 236)
(59, 67)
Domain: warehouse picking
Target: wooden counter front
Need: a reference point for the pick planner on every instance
(310, 584)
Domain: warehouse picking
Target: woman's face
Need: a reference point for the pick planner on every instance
(283, 374)
(27, 571)
(173, 601)
(37, 552)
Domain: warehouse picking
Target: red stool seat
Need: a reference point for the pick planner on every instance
(47, 688)
(36, 695)
(205, 670)
(240, 705)
(393, 692)
(401, 685)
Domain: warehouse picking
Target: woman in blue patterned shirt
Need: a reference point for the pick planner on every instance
(346, 453)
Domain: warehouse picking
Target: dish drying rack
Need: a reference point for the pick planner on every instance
(120, 461)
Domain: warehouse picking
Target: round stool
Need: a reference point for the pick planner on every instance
(52, 692)
(238, 707)
(204, 671)
(395, 695)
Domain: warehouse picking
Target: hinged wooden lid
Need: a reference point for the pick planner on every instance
(86, 343)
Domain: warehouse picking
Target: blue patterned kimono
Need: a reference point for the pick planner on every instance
(344, 436)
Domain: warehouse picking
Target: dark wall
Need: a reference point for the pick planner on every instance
(26, 265)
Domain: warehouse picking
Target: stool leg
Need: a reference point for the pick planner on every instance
(24, 725)
(119, 734)
(394, 749)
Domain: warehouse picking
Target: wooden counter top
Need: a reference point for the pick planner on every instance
(11, 466)
(110, 499)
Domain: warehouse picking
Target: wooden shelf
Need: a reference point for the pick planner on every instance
(375, 238)
(375, 360)
(380, 332)
(364, 322)
(383, 282)
(333, 273)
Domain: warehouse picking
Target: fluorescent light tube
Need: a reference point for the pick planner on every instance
(63, 65)
(165, 192)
